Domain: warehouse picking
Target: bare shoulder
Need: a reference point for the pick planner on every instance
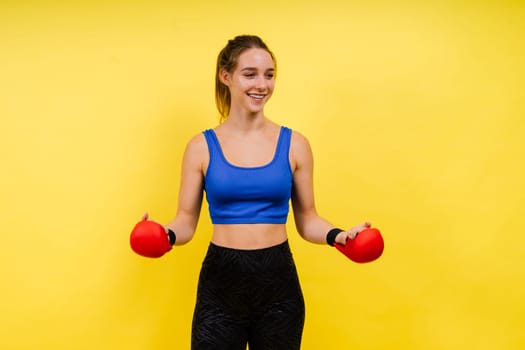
(300, 151)
(198, 141)
(299, 143)
(197, 149)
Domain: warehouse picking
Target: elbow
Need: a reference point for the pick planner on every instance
(300, 227)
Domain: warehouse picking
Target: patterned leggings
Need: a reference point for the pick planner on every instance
(248, 297)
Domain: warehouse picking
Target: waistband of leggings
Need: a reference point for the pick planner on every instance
(284, 245)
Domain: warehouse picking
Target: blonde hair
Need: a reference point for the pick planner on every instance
(227, 61)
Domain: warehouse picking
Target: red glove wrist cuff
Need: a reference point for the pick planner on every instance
(330, 236)
(172, 236)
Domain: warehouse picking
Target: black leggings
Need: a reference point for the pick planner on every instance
(248, 297)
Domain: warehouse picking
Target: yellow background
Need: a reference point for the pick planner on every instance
(415, 114)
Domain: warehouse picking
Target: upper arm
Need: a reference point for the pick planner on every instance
(303, 202)
(192, 178)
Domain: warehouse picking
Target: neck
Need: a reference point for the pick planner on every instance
(246, 121)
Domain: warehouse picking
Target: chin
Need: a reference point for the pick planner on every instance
(256, 110)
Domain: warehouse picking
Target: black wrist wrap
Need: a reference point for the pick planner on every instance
(172, 236)
(330, 236)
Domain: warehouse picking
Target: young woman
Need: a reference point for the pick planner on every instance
(250, 168)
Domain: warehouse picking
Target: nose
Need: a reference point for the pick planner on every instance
(260, 82)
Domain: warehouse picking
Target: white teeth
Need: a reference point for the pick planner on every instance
(256, 96)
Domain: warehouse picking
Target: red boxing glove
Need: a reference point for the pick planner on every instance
(149, 239)
(367, 246)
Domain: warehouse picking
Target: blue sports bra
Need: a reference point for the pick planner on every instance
(248, 195)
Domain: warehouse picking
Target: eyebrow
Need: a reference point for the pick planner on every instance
(253, 68)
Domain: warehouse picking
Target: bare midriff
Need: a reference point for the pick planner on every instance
(248, 236)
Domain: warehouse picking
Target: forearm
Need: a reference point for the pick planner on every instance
(184, 228)
(313, 228)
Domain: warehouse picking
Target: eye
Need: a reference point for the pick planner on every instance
(249, 75)
(269, 75)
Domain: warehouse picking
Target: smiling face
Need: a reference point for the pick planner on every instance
(251, 82)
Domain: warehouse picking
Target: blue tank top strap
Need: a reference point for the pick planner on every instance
(283, 146)
(213, 144)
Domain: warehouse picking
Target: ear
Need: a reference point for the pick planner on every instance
(224, 77)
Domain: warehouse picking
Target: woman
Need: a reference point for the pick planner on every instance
(250, 168)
